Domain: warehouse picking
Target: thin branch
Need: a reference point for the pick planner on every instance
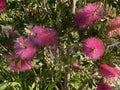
(73, 6)
(67, 71)
(112, 46)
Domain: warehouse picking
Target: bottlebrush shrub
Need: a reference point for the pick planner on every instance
(54, 54)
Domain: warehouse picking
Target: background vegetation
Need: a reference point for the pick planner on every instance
(54, 67)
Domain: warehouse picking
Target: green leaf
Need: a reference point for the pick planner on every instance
(51, 86)
(3, 86)
(75, 84)
(33, 86)
(15, 84)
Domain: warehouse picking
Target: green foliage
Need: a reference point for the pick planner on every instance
(49, 70)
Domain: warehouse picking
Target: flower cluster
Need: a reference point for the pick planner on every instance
(26, 49)
(23, 55)
(93, 47)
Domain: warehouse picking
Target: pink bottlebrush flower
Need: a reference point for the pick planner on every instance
(21, 65)
(75, 64)
(13, 32)
(11, 57)
(109, 72)
(103, 86)
(17, 64)
(32, 13)
(93, 47)
(88, 15)
(44, 36)
(24, 48)
(114, 27)
(2, 5)
(54, 50)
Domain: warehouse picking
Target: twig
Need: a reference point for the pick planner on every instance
(73, 6)
(67, 71)
(56, 87)
(112, 46)
(4, 48)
